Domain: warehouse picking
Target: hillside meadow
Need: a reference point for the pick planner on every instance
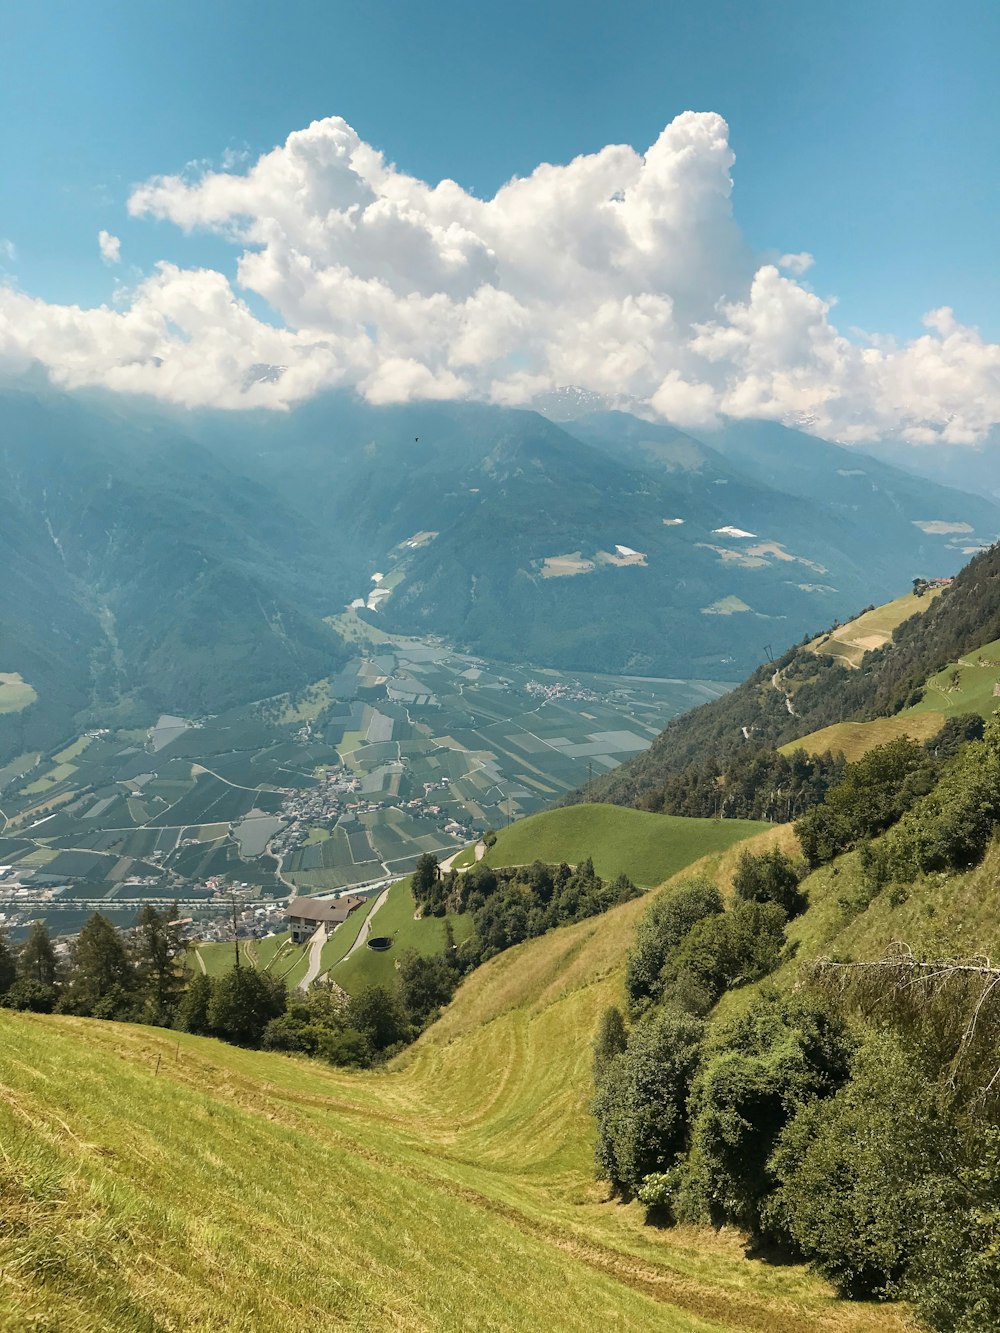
(154, 1180)
(648, 848)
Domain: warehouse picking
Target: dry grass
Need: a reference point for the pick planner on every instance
(854, 739)
(164, 1182)
(849, 643)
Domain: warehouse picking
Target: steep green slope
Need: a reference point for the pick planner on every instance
(156, 1180)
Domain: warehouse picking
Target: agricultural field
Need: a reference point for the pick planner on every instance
(15, 692)
(410, 748)
(872, 629)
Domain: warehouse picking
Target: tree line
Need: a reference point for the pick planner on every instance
(140, 976)
(509, 905)
(852, 1122)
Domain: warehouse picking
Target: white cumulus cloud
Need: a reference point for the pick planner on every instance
(111, 247)
(621, 272)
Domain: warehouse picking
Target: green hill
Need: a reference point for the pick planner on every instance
(156, 1180)
(966, 685)
(648, 848)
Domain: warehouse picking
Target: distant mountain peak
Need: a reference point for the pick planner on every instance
(569, 402)
(262, 373)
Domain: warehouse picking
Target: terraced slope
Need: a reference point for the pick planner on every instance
(156, 1181)
(967, 685)
(872, 629)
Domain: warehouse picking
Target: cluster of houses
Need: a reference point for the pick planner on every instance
(539, 689)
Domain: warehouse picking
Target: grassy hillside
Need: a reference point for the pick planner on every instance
(396, 917)
(966, 685)
(848, 643)
(827, 684)
(648, 848)
(455, 1190)
(853, 739)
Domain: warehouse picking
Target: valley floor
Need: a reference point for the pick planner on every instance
(154, 1180)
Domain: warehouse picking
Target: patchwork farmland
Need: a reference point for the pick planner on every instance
(409, 748)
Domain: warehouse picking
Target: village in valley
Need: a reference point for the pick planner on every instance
(408, 748)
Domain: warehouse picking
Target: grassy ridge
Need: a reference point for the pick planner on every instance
(648, 848)
(455, 1191)
(964, 686)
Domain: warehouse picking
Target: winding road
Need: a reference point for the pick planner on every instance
(449, 861)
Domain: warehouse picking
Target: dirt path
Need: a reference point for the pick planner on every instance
(776, 682)
(315, 957)
(449, 861)
(366, 927)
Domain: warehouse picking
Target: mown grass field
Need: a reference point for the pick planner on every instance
(965, 686)
(854, 739)
(152, 1180)
(648, 848)
(849, 643)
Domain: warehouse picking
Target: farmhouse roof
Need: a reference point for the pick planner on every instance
(327, 910)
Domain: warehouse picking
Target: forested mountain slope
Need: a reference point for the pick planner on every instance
(803, 691)
(160, 559)
(141, 574)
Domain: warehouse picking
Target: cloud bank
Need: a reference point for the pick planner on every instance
(620, 272)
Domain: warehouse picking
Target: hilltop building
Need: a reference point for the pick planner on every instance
(305, 914)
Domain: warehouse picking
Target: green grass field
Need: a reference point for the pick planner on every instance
(648, 848)
(153, 1180)
(396, 918)
(966, 686)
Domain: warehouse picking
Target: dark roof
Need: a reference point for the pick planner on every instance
(329, 911)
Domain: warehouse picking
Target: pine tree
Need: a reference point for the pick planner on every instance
(37, 959)
(157, 952)
(8, 968)
(102, 982)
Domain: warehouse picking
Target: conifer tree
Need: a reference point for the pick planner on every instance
(8, 969)
(102, 981)
(158, 951)
(37, 959)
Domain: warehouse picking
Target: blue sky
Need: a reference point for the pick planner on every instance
(864, 133)
(265, 183)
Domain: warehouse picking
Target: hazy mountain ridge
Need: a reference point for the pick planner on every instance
(164, 559)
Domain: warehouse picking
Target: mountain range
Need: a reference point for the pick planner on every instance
(161, 559)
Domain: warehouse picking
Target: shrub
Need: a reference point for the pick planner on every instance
(666, 922)
(641, 1101)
